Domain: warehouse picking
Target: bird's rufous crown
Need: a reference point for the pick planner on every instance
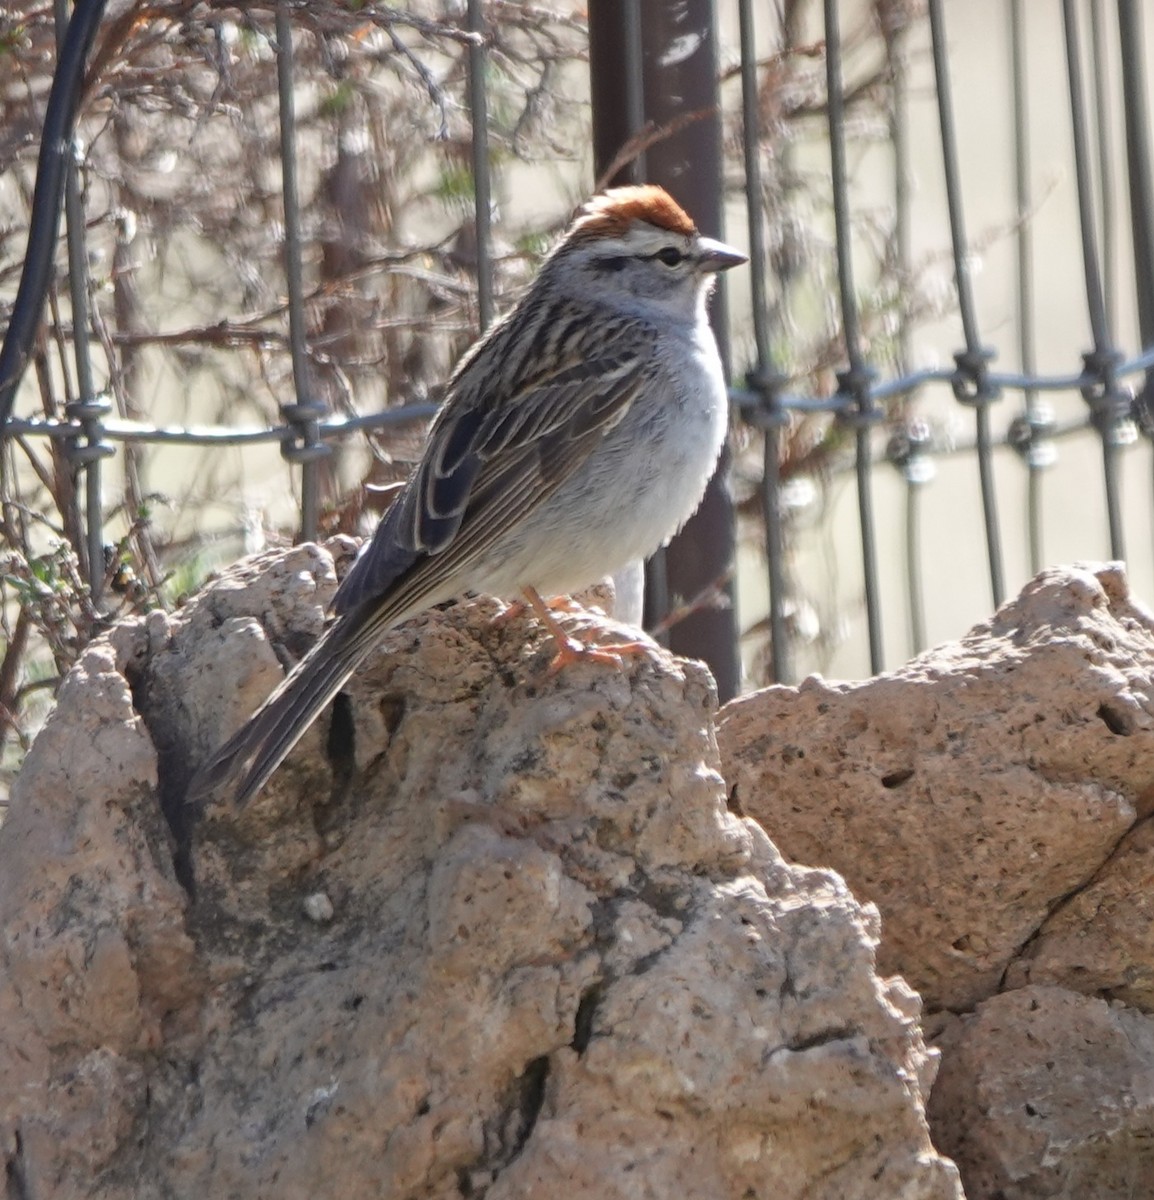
(611, 213)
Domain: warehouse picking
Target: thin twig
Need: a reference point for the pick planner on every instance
(648, 135)
(712, 596)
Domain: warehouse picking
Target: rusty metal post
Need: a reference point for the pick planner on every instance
(672, 44)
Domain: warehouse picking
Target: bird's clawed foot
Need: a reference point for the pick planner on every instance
(570, 650)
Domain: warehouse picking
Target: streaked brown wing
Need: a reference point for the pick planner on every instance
(491, 462)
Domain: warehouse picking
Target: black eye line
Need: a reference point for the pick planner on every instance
(616, 262)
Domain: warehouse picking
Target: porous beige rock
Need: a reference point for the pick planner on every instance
(993, 798)
(1100, 940)
(1047, 1093)
(507, 941)
(977, 790)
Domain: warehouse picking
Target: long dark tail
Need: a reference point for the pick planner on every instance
(255, 751)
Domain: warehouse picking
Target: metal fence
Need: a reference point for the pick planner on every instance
(653, 64)
(861, 398)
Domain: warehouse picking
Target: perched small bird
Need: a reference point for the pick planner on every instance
(577, 435)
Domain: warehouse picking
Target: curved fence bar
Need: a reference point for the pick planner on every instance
(859, 411)
(764, 380)
(56, 156)
(972, 383)
(1108, 405)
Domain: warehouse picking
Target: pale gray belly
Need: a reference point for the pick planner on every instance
(637, 489)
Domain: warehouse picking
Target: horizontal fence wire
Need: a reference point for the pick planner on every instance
(761, 397)
(748, 403)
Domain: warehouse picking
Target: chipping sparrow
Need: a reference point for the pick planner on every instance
(577, 435)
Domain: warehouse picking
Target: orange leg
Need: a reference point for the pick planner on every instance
(569, 649)
(508, 614)
(517, 608)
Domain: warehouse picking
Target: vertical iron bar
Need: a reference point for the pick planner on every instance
(615, 70)
(87, 407)
(900, 140)
(679, 56)
(963, 280)
(914, 564)
(635, 89)
(1024, 242)
(688, 164)
(840, 183)
(1140, 171)
(1096, 309)
(973, 363)
(1140, 178)
(658, 601)
(77, 251)
(1106, 168)
(298, 413)
(482, 178)
(983, 440)
(856, 380)
(1104, 358)
(764, 373)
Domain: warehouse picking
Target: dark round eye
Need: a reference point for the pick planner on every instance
(670, 256)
